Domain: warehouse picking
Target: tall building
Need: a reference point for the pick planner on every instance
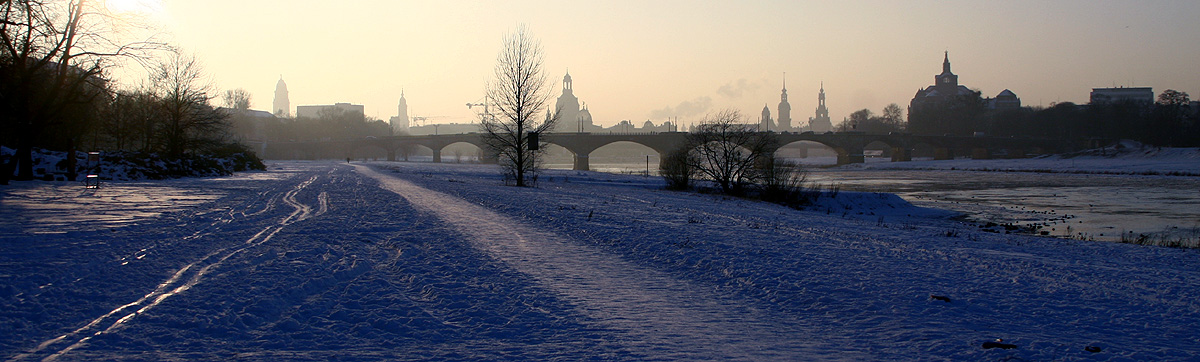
(785, 110)
(821, 123)
(400, 121)
(568, 108)
(765, 124)
(281, 107)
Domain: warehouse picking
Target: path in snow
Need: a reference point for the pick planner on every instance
(660, 315)
(182, 280)
(315, 262)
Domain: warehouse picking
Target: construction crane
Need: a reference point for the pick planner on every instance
(487, 114)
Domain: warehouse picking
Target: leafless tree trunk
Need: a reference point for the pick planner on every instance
(518, 95)
(727, 151)
(189, 122)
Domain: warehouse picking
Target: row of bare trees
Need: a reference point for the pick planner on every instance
(55, 90)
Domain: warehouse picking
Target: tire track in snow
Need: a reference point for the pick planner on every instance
(182, 280)
(662, 316)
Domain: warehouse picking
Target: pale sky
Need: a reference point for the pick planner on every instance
(640, 60)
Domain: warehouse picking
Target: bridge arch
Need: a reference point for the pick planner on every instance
(459, 150)
(368, 150)
(845, 153)
(816, 152)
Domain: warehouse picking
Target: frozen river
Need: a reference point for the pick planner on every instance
(1088, 206)
(1077, 205)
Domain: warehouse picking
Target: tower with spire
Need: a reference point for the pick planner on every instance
(568, 108)
(765, 124)
(784, 123)
(400, 121)
(821, 123)
(946, 83)
(281, 107)
(945, 93)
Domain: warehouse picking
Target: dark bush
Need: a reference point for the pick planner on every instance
(676, 169)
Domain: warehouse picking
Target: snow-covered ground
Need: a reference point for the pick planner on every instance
(409, 261)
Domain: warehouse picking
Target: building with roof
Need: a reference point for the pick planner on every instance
(1004, 101)
(317, 110)
(944, 90)
(1122, 94)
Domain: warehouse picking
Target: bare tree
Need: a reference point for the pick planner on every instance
(189, 121)
(236, 99)
(52, 57)
(726, 150)
(518, 94)
(129, 121)
(893, 115)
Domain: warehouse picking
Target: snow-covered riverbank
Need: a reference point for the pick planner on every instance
(420, 261)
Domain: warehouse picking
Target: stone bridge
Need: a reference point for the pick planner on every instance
(849, 146)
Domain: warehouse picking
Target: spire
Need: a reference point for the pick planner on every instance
(783, 94)
(946, 63)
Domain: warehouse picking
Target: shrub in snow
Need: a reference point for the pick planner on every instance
(676, 169)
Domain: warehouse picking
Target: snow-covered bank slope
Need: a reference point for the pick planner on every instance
(320, 261)
(868, 283)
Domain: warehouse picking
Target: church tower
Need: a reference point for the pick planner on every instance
(400, 121)
(281, 106)
(821, 123)
(765, 124)
(785, 110)
(568, 108)
(946, 83)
